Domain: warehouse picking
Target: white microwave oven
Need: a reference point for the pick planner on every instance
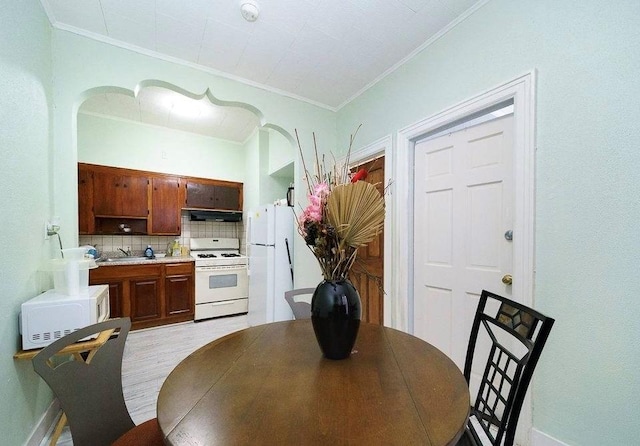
(50, 316)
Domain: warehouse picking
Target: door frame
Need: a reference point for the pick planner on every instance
(522, 91)
(378, 148)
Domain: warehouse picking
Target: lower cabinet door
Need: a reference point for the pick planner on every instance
(145, 299)
(178, 295)
(116, 302)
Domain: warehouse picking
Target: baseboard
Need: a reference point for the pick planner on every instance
(539, 438)
(45, 425)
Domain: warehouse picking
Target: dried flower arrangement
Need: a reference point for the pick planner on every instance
(344, 213)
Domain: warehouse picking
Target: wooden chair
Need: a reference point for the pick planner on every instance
(301, 307)
(90, 389)
(516, 335)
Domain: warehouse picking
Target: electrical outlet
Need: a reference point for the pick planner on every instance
(51, 227)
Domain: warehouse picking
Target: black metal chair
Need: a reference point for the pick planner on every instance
(301, 308)
(89, 389)
(516, 336)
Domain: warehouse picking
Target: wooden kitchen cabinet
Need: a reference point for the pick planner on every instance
(85, 200)
(179, 289)
(145, 297)
(120, 195)
(213, 195)
(116, 308)
(150, 294)
(227, 197)
(166, 200)
(148, 203)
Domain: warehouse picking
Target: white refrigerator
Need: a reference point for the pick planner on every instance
(270, 232)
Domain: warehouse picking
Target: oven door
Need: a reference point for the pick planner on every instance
(218, 283)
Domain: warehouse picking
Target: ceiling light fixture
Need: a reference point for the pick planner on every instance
(249, 10)
(184, 107)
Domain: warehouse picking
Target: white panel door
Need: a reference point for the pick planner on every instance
(463, 206)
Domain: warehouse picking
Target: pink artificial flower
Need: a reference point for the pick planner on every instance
(315, 213)
(321, 190)
(315, 200)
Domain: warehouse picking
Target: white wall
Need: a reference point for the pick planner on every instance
(585, 55)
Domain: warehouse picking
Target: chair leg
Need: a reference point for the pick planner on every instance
(58, 429)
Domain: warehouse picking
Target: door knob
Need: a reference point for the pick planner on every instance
(507, 279)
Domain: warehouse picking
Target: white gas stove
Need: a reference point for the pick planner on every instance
(216, 251)
(221, 277)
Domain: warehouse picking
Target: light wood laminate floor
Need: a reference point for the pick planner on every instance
(151, 354)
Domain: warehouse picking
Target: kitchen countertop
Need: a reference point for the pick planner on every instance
(178, 259)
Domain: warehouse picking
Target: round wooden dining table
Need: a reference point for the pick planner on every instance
(270, 385)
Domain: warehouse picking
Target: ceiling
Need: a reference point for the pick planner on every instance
(325, 52)
(322, 51)
(165, 108)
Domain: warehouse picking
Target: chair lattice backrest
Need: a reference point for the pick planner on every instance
(301, 308)
(517, 335)
(89, 388)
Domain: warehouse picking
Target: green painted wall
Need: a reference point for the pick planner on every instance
(25, 98)
(251, 189)
(281, 153)
(121, 143)
(586, 56)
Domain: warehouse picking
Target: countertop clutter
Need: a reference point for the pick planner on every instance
(141, 260)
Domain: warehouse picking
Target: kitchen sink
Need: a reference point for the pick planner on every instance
(122, 259)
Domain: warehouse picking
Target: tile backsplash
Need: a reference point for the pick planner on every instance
(109, 244)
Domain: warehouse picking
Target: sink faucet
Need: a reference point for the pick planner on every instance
(127, 252)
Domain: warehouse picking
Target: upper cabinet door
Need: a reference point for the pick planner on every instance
(106, 193)
(85, 201)
(135, 196)
(166, 202)
(227, 197)
(120, 195)
(200, 195)
(213, 196)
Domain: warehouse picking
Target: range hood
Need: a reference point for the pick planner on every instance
(214, 215)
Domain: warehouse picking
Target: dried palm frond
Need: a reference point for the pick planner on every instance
(356, 211)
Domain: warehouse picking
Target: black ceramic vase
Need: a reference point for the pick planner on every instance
(335, 315)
